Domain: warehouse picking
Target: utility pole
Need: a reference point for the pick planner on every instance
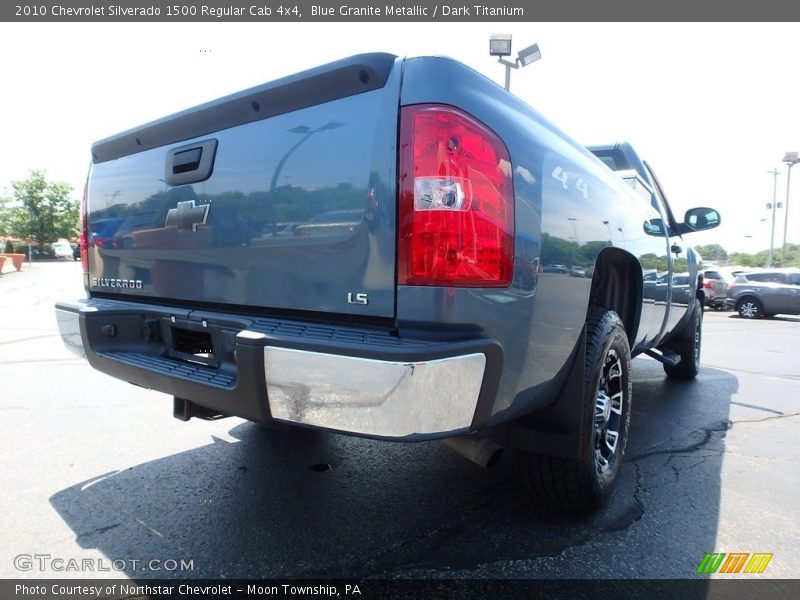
(791, 159)
(774, 174)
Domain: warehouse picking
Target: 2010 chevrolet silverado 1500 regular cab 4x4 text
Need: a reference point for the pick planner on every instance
(360, 248)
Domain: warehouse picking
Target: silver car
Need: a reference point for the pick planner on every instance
(765, 293)
(715, 286)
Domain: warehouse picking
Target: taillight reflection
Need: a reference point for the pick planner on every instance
(84, 239)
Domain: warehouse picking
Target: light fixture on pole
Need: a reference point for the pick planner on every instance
(574, 229)
(500, 46)
(791, 159)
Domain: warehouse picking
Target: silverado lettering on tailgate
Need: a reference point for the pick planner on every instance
(136, 284)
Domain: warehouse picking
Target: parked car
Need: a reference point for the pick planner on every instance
(715, 284)
(123, 236)
(62, 249)
(765, 293)
(555, 269)
(577, 272)
(102, 231)
(285, 229)
(682, 290)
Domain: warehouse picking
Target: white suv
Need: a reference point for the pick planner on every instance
(62, 249)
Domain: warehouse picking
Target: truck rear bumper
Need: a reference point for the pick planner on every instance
(373, 397)
(351, 380)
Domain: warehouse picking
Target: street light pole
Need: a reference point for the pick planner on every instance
(508, 65)
(500, 46)
(774, 173)
(791, 159)
(307, 132)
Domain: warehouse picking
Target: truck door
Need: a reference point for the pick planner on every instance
(678, 265)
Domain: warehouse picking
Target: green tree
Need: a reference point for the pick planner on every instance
(45, 212)
(558, 251)
(745, 260)
(713, 252)
(792, 255)
(651, 261)
(5, 216)
(591, 250)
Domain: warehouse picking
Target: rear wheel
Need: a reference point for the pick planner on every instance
(582, 486)
(749, 308)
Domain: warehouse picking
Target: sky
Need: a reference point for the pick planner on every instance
(712, 107)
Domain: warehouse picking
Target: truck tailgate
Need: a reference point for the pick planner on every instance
(279, 197)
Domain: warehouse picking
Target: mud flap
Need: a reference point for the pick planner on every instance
(558, 431)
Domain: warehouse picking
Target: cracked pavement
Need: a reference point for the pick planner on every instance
(93, 467)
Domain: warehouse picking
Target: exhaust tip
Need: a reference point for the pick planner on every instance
(482, 451)
(494, 457)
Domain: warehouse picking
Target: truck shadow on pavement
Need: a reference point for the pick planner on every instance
(310, 504)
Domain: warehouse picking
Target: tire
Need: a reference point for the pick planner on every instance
(750, 308)
(582, 486)
(687, 345)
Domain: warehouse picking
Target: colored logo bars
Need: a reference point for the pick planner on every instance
(733, 562)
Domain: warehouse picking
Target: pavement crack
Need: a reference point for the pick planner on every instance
(708, 435)
(765, 419)
(628, 519)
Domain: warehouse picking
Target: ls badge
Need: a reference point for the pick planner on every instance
(359, 298)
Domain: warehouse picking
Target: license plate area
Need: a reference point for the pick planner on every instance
(192, 343)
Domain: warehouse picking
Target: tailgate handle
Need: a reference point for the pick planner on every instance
(186, 160)
(190, 163)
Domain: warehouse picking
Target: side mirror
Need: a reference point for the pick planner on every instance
(655, 227)
(700, 219)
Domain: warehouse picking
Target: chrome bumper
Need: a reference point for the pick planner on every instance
(373, 397)
(70, 329)
(413, 396)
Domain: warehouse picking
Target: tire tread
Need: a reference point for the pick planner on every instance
(568, 485)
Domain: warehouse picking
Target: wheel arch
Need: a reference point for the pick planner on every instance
(617, 284)
(558, 430)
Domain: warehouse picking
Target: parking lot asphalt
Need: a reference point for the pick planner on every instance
(94, 468)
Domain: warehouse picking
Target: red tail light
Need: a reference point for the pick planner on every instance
(708, 284)
(456, 202)
(84, 240)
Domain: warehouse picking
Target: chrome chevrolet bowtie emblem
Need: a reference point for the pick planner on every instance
(186, 216)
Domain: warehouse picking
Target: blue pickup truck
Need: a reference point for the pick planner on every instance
(360, 248)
